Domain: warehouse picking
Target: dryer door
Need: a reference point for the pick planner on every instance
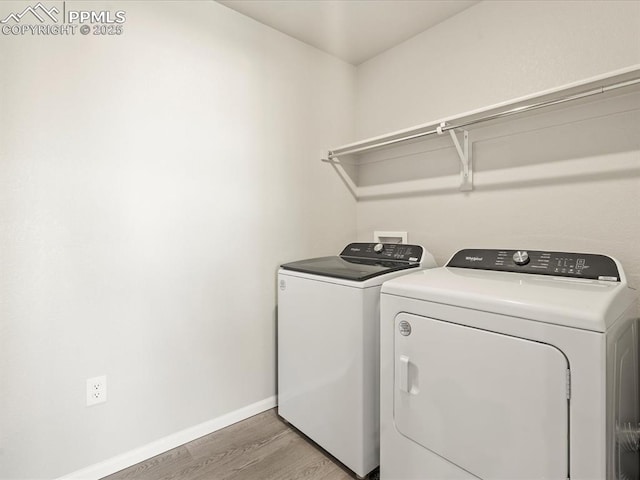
(492, 404)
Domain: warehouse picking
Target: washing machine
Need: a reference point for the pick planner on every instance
(328, 346)
(510, 365)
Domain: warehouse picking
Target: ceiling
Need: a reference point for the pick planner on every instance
(353, 30)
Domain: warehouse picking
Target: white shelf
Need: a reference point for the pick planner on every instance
(611, 84)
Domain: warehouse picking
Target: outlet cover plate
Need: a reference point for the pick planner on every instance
(96, 390)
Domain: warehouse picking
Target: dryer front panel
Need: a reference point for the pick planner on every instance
(492, 404)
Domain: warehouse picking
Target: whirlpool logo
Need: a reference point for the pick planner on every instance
(62, 19)
(473, 259)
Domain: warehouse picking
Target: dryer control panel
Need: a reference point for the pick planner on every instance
(559, 264)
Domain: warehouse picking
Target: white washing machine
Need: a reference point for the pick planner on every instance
(328, 346)
(510, 365)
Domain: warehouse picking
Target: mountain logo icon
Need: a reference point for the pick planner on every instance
(38, 11)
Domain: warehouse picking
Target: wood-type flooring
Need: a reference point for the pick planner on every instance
(263, 447)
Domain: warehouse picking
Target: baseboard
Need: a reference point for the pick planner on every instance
(115, 464)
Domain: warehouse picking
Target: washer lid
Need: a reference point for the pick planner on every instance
(356, 269)
(362, 261)
(586, 304)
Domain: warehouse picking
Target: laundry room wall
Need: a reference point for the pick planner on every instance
(565, 180)
(150, 185)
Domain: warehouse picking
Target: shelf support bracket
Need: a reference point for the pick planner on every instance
(464, 153)
(342, 173)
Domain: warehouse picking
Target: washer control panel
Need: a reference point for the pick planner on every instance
(386, 251)
(559, 264)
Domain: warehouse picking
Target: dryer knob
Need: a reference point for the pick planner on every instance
(521, 257)
(378, 247)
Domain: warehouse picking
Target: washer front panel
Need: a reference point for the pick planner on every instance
(492, 404)
(327, 366)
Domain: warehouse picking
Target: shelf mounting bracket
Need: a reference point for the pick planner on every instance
(464, 153)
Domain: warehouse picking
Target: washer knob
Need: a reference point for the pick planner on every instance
(521, 257)
(378, 247)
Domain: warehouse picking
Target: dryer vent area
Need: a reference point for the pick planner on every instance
(625, 352)
(628, 446)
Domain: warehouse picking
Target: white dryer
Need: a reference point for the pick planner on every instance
(510, 365)
(328, 346)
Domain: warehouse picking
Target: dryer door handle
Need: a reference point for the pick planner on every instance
(404, 373)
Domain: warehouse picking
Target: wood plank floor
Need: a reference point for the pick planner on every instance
(262, 447)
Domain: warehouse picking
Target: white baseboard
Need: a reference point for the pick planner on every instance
(115, 464)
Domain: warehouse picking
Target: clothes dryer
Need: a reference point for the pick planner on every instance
(328, 346)
(510, 365)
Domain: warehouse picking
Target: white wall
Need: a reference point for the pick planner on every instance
(150, 185)
(565, 181)
(493, 52)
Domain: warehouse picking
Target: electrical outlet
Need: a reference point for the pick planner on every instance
(96, 390)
